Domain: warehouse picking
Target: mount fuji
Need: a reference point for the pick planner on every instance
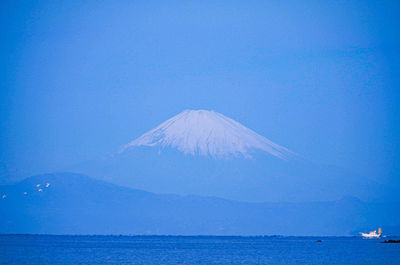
(208, 133)
(205, 153)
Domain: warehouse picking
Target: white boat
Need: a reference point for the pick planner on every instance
(372, 234)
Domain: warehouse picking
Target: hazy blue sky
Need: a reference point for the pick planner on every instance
(79, 79)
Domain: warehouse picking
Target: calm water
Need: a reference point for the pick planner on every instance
(34, 249)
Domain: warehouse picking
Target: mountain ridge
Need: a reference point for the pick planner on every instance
(77, 204)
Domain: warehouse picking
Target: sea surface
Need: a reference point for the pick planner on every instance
(46, 249)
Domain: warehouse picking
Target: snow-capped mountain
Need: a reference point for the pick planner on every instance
(208, 133)
(206, 153)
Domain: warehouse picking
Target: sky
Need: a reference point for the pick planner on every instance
(80, 79)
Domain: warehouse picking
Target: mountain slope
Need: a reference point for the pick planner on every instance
(261, 178)
(75, 204)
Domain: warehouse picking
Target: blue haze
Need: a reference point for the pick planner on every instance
(79, 79)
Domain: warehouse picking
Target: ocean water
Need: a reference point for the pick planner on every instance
(45, 249)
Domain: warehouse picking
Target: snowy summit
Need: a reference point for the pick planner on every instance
(208, 133)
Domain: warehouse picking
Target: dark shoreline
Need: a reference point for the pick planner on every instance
(391, 241)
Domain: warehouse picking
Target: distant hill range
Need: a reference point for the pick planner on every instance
(67, 203)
